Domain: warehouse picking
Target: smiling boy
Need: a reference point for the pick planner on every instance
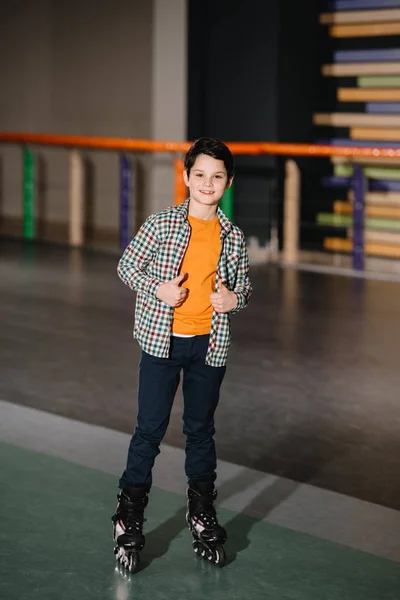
(189, 266)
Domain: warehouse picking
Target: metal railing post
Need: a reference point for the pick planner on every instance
(291, 223)
(76, 235)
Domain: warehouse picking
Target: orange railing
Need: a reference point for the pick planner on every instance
(292, 178)
(136, 145)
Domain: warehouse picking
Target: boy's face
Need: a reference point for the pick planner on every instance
(207, 180)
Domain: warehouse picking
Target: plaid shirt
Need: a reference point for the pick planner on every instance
(155, 255)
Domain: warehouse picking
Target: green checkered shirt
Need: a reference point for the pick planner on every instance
(154, 257)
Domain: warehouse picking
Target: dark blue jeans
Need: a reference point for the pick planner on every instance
(158, 381)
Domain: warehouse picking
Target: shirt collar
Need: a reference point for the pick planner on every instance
(225, 223)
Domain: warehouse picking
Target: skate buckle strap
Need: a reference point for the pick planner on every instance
(135, 519)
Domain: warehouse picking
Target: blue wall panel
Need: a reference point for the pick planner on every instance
(391, 54)
(362, 4)
(389, 108)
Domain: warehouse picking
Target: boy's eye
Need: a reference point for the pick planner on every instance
(218, 176)
(199, 175)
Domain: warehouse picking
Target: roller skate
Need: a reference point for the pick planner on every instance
(208, 535)
(128, 526)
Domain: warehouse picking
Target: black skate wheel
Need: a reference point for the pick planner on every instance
(133, 562)
(218, 556)
(197, 547)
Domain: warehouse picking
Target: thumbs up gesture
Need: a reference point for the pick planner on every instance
(223, 301)
(171, 292)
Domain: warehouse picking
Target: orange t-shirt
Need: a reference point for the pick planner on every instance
(200, 264)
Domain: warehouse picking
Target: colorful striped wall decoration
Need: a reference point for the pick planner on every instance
(368, 95)
(360, 16)
(362, 4)
(377, 124)
(371, 133)
(389, 55)
(383, 107)
(373, 30)
(357, 69)
(379, 81)
(356, 120)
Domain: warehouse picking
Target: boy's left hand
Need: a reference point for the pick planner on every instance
(223, 301)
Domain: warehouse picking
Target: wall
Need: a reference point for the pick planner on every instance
(90, 68)
(169, 91)
(233, 53)
(253, 71)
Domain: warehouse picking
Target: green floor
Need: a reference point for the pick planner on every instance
(55, 544)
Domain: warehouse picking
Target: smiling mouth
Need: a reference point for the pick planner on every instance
(206, 192)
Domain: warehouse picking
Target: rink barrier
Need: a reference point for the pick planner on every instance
(359, 188)
(28, 194)
(292, 183)
(227, 202)
(125, 200)
(76, 199)
(291, 212)
(180, 189)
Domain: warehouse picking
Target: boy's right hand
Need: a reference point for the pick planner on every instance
(171, 293)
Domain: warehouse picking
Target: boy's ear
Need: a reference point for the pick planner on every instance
(228, 185)
(186, 178)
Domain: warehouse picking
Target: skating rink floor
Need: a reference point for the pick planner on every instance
(308, 437)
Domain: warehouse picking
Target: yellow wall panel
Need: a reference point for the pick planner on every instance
(346, 31)
(370, 133)
(368, 95)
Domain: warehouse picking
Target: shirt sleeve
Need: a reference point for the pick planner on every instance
(137, 256)
(243, 289)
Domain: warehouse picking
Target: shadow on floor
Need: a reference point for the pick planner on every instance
(274, 491)
(159, 539)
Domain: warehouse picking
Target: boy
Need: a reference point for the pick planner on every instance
(189, 266)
